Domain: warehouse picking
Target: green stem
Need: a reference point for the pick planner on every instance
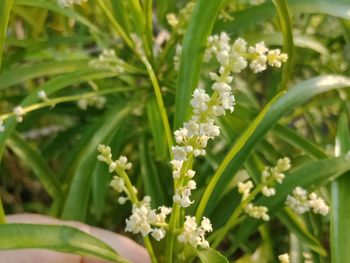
(150, 250)
(53, 102)
(169, 245)
(175, 215)
(2, 214)
(160, 103)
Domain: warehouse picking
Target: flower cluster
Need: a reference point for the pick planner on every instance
(301, 202)
(284, 258)
(143, 217)
(269, 176)
(19, 113)
(179, 23)
(69, 3)
(108, 60)
(194, 234)
(245, 188)
(234, 57)
(258, 212)
(97, 102)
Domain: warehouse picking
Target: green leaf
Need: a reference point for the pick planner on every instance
(58, 9)
(288, 42)
(294, 139)
(340, 199)
(252, 16)
(309, 176)
(77, 199)
(195, 40)
(20, 74)
(258, 129)
(211, 256)
(55, 237)
(5, 10)
(32, 158)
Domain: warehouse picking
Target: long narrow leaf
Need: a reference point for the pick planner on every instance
(340, 201)
(5, 9)
(55, 237)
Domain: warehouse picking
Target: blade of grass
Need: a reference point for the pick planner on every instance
(340, 199)
(195, 39)
(55, 237)
(20, 74)
(5, 10)
(257, 130)
(288, 42)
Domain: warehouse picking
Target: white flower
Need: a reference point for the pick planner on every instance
(179, 152)
(318, 205)
(177, 165)
(298, 200)
(206, 225)
(268, 191)
(122, 200)
(117, 184)
(284, 258)
(190, 173)
(181, 135)
(244, 188)
(193, 234)
(275, 58)
(143, 217)
(258, 212)
(123, 164)
(19, 112)
(199, 101)
(42, 95)
(158, 234)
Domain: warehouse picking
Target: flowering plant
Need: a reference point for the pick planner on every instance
(197, 123)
